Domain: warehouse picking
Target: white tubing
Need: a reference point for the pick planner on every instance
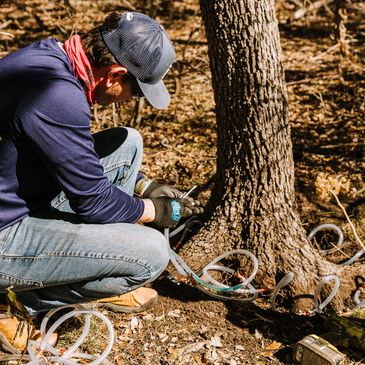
(253, 258)
(339, 242)
(285, 280)
(219, 290)
(224, 297)
(250, 290)
(215, 290)
(319, 307)
(173, 255)
(209, 278)
(353, 258)
(359, 303)
(350, 261)
(329, 226)
(68, 357)
(177, 230)
(211, 286)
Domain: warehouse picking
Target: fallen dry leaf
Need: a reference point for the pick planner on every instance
(273, 346)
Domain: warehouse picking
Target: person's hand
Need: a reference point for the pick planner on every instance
(169, 211)
(156, 190)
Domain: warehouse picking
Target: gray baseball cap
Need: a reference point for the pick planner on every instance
(142, 46)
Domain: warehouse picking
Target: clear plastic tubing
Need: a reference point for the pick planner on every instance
(212, 266)
(353, 258)
(227, 298)
(328, 226)
(185, 270)
(250, 290)
(216, 289)
(283, 282)
(339, 242)
(317, 306)
(359, 303)
(68, 357)
(177, 230)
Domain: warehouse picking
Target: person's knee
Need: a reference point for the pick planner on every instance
(157, 252)
(109, 141)
(134, 138)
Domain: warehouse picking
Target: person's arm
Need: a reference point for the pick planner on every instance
(55, 118)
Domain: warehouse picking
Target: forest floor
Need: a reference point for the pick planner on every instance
(327, 108)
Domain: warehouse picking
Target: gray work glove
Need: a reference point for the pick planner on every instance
(156, 190)
(169, 211)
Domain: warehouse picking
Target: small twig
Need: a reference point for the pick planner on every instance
(114, 114)
(298, 81)
(348, 219)
(13, 357)
(329, 50)
(297, 3)
(138, 113)
(197, 69)
(177, 85)
(5, 24)
(128, 5)
(360, 191)
(312, 7)
(341, 31)
(335, 249)
(96, 115)
(174, 148)
(6, 34)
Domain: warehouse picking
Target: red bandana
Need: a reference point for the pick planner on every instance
(81, 66)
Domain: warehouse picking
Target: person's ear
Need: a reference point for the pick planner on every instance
(114, 75)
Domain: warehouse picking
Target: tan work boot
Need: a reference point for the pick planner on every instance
(14, 333)
(135, 301)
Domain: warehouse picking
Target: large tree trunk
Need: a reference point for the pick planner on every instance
(252, 204)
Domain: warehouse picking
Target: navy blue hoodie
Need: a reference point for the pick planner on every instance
(46, 144)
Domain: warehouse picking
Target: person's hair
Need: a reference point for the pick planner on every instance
(94, 46)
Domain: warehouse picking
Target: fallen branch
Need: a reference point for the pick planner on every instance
(312, 7)
(348, 219)
(173, 148)
(329, 50)
(7, 35)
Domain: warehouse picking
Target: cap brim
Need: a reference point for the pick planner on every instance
(156, 94)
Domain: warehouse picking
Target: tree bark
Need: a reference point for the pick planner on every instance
(252, 203)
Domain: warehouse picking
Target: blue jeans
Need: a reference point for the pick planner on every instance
(52, 259)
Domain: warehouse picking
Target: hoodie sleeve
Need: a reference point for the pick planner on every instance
(55, 119)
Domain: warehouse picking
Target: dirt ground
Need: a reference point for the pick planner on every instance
(327, 108)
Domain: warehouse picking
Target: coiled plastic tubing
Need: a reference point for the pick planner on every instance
(41, 352)
(360, 303)
(245, 289)
(320, 306)
(207, 284)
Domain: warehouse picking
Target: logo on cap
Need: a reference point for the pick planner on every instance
(129, 17)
